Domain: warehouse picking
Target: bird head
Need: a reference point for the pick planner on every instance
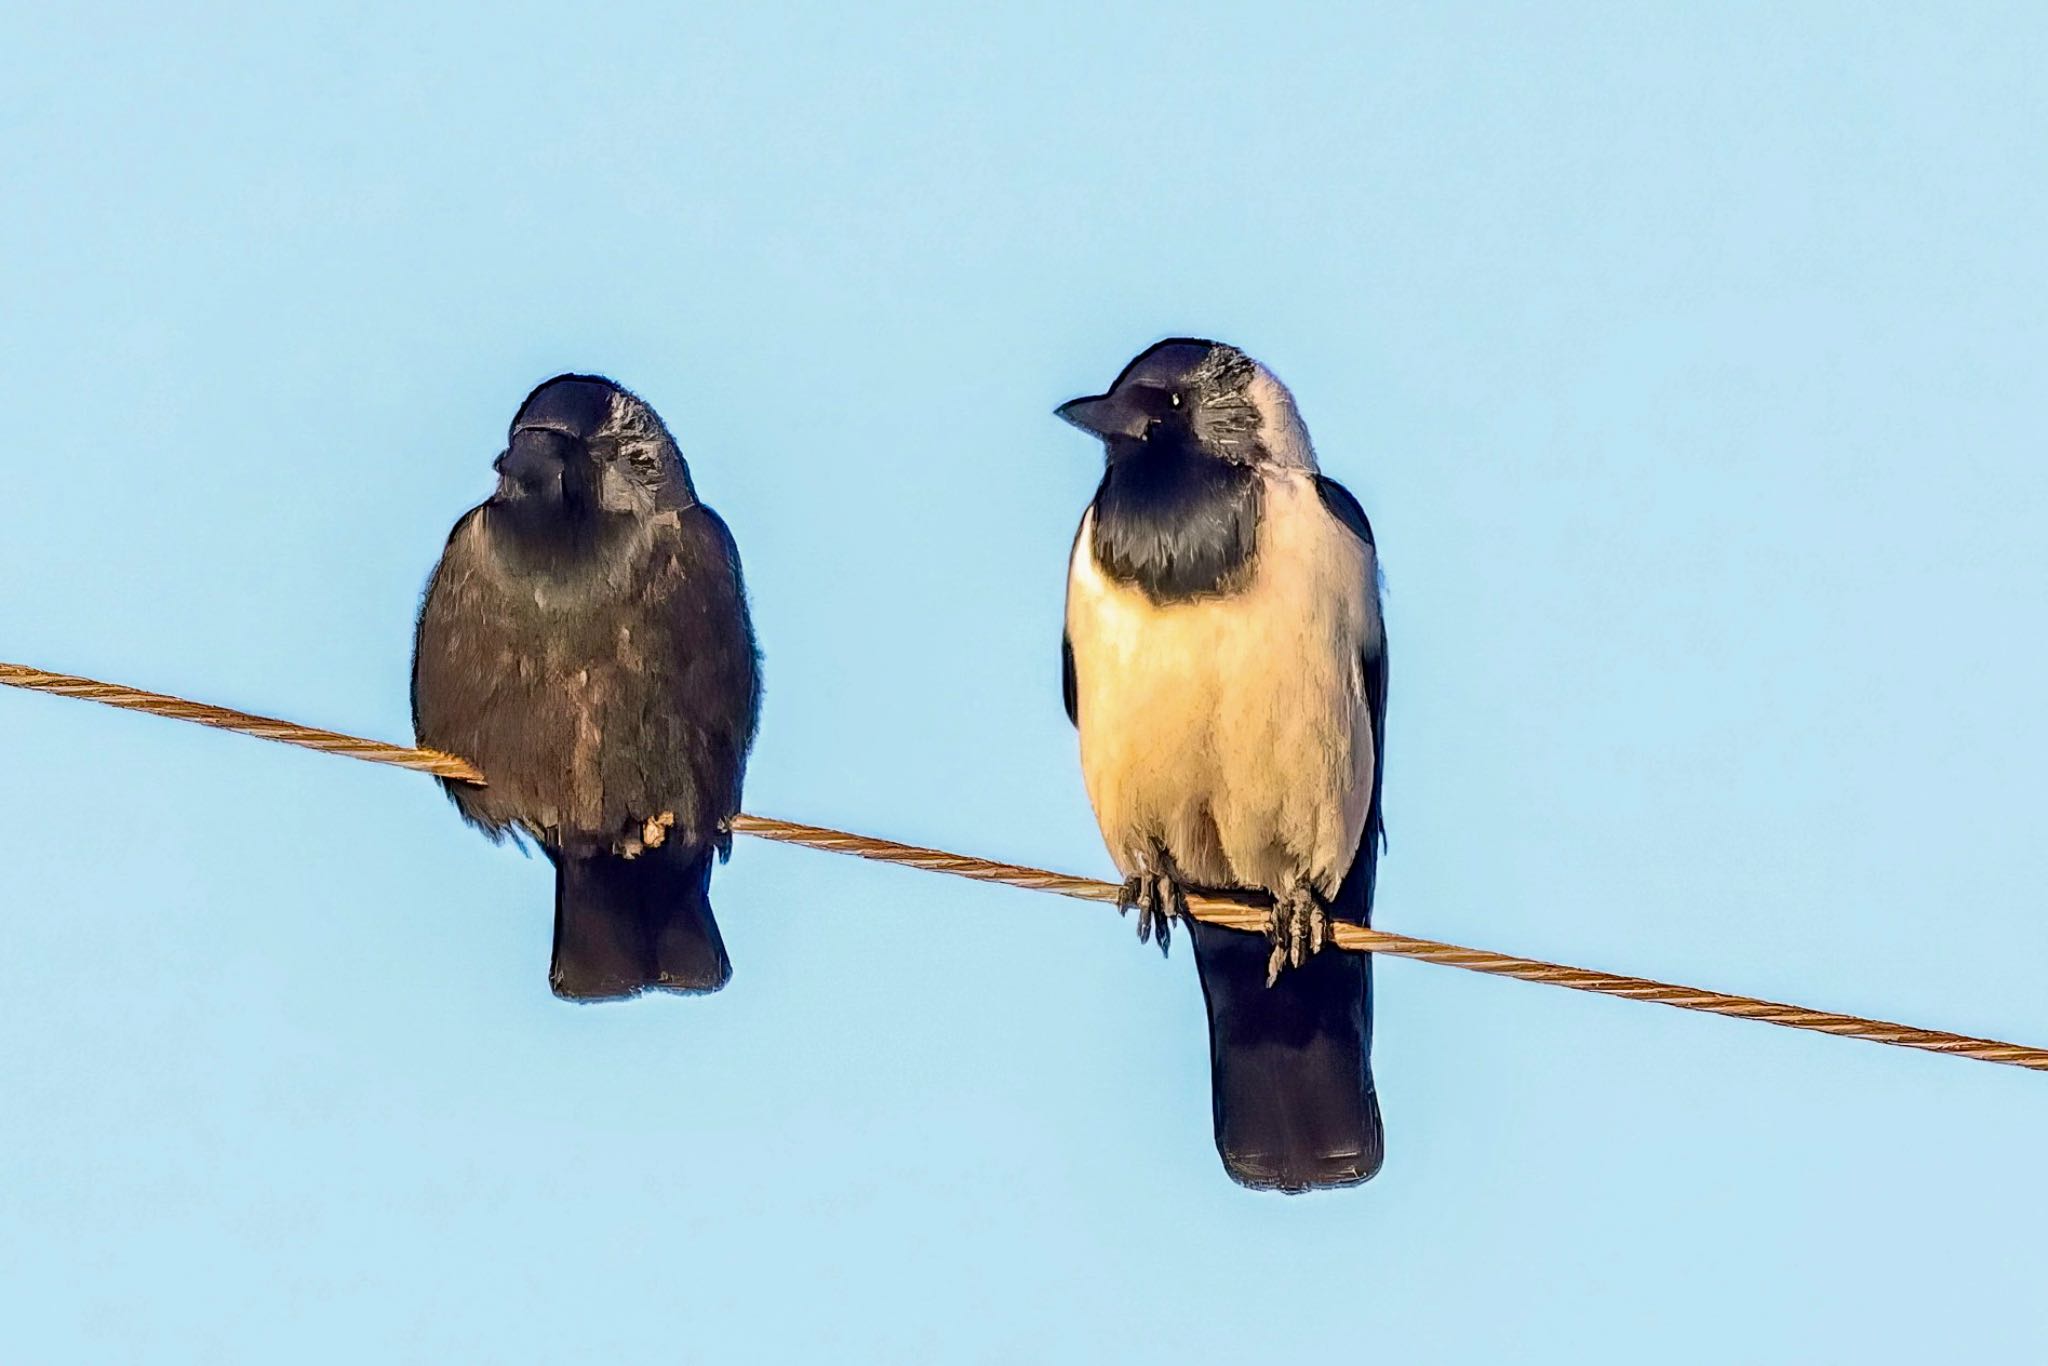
(1200, 397)
(581, 447)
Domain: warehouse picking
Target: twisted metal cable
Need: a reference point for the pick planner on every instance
(1251, 916)
(1246, 915)
(244, 723)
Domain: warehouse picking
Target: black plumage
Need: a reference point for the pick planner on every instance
(585, 642)
(1176, 526)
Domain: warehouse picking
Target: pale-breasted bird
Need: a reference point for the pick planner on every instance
(1226, 666)
(585, 642)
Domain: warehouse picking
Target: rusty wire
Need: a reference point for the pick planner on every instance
(1250, 916)
(242, 722)
(1245, 915)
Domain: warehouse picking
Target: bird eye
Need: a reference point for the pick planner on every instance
(1174, 399)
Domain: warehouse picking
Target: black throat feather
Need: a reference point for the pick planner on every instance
(562, 543)
(1175, 522)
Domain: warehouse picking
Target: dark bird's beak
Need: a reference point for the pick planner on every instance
(546, 462)
(534, 459)
(1105, 415)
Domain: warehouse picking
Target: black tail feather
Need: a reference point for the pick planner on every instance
(689, 953)
(623, 925)
(1291, 1064)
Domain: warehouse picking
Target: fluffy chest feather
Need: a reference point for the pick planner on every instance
(544, 679)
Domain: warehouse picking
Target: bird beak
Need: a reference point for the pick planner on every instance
(547, 462)
(1104, 415)
(533, 458)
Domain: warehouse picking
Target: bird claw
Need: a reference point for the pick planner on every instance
(1297, 928)
(1158, 900)
(653, 833)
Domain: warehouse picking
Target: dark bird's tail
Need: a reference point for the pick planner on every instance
(1290, 1064)
(623, 925)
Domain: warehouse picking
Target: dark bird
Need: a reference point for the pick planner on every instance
(1226, 667)
(585, 642)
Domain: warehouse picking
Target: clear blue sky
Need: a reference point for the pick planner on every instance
(1690, 364)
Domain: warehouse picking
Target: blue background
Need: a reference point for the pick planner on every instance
(1689, 360)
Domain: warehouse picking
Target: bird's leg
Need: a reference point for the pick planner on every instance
(1157, 898)
(652, 834)
(1138, 894)
(1170, 904)
(1296, 929)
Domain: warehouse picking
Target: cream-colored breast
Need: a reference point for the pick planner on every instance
(1233, 731)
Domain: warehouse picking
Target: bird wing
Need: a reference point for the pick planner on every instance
(1373, 669)
(459, 674)
(1067, 684)
(692, 677)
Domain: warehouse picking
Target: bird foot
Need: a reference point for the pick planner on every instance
(1296, 929)
(1157, 899)
(653, 833)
